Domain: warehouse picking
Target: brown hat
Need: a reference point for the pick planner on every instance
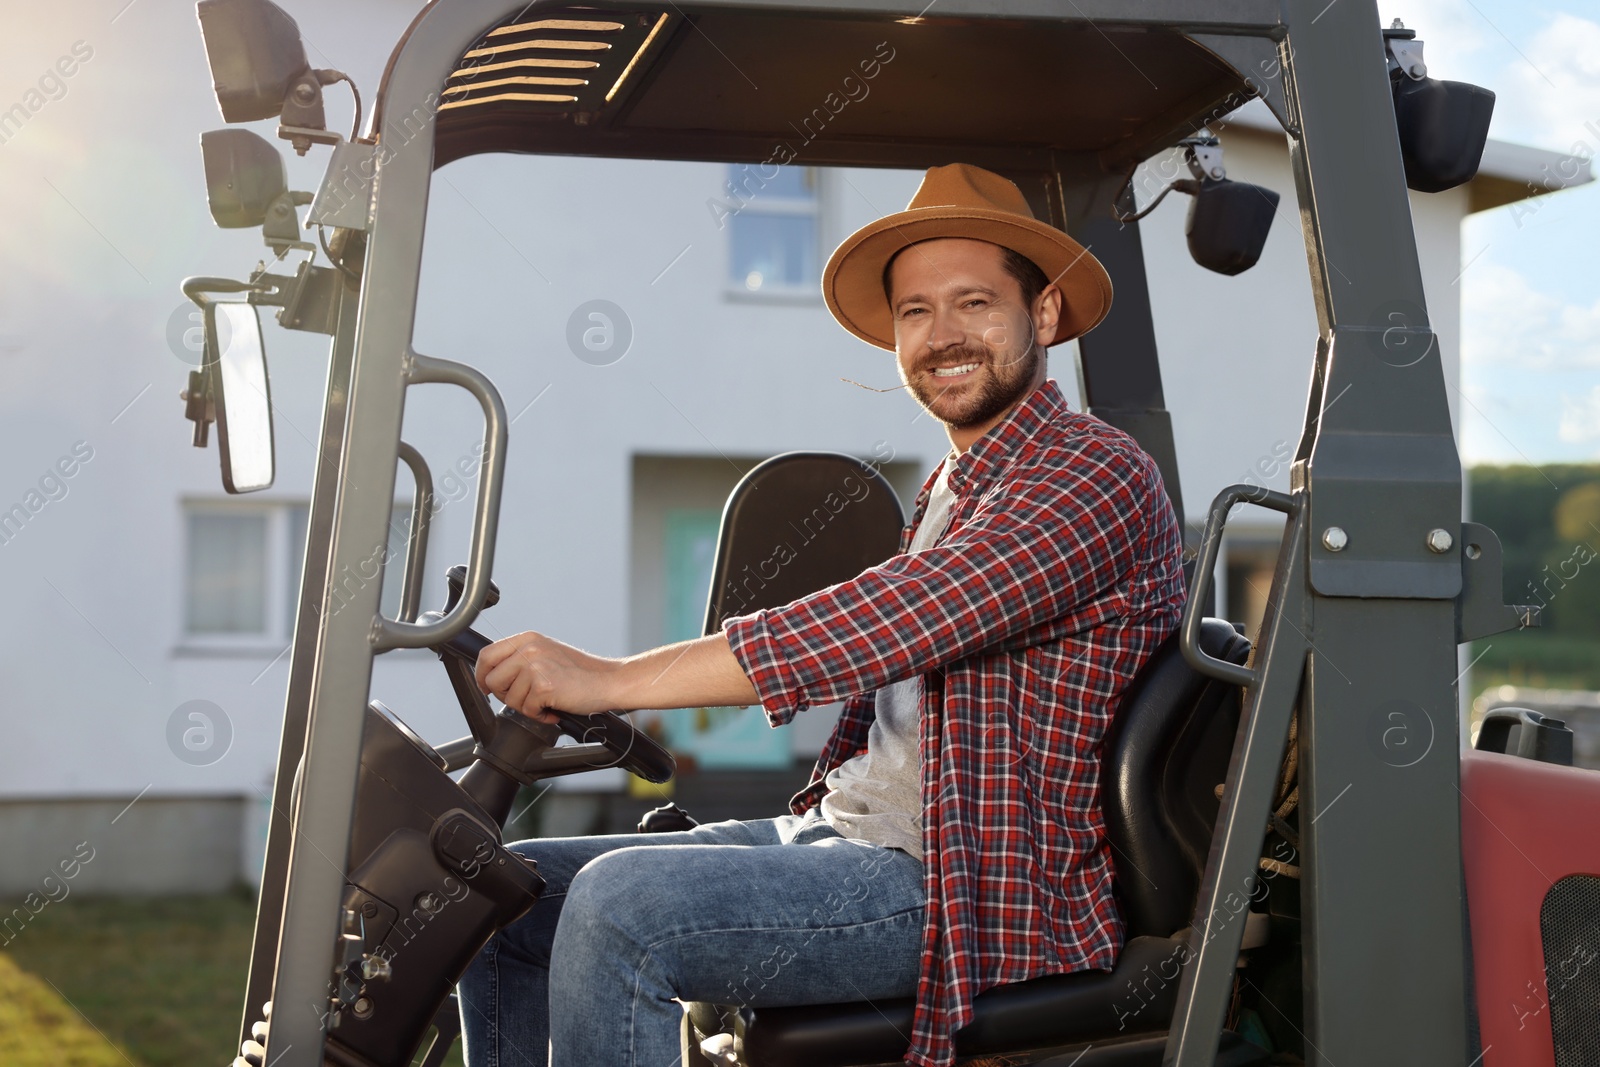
(961, 201)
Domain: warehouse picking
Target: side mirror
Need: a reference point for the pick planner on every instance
(237, 362)
(798, 523)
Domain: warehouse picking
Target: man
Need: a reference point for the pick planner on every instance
(950, 839)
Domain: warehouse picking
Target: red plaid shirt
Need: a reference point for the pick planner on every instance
(1057, 577)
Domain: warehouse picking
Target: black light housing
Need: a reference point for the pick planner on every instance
(256, 56)
(259, 70)
(244, 176)
(1442, 125)
(1228, 224)
(1228, 221)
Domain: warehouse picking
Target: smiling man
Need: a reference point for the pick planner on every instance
(950, 839)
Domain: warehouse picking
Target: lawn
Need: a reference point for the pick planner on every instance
(127, 982)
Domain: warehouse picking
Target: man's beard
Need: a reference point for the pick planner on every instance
(999, 386)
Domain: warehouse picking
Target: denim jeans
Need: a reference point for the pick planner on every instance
(776, 911)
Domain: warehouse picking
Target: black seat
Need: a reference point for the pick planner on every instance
(1165, 753)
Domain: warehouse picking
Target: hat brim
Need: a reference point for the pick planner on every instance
(852, 282)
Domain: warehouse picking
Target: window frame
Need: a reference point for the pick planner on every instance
(281, 596)
(779, 205)
(279, 614)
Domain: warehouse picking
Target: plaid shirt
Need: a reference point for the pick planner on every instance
(1057, 577)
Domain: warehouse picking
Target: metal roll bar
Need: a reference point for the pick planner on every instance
(404, 633)
(1210, 544)
(417, 536)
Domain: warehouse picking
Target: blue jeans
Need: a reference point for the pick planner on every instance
(630, 924)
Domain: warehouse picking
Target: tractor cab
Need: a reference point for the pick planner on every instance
(1217, 748)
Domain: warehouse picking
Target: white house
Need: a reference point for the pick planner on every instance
(139, 587)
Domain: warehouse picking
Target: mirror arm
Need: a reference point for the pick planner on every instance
(200, 288)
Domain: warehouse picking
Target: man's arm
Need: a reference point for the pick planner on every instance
(1047, 549)
(531, 672)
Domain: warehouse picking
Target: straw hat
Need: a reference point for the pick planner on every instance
(959, 200)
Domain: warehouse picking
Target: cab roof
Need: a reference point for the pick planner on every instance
(1021, 91)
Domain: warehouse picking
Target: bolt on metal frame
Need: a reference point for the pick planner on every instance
(1349, 638)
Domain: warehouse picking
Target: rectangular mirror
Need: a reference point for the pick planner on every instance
(237, 360)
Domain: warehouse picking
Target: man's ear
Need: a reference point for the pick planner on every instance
(1047, 313)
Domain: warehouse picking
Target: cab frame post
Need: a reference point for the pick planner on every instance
(292, 740)
(1383, 907)
(345, 629)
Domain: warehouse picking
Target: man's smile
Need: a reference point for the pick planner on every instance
(954, 372)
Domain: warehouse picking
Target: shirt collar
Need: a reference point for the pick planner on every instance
(995, 449)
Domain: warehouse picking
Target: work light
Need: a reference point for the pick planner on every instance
(1442, 125)
(244, 175)
(1228, 221)
(259, 70)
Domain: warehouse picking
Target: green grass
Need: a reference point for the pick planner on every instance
(162, 977)
(128, 982)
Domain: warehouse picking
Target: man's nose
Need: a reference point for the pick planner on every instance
(949, 331)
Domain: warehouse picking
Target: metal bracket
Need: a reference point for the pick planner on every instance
(1258, 61)
(308, 301)
(1405, 51)
(1204, 156)
(303, 122)
(1479, 611)
(281, 231)
(1381, 498)
(344, 200)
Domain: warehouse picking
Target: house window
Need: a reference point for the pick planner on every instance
(228, 572)
(243, 568)
(773, 234)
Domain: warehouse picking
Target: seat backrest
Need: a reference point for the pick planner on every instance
(1166, 752)
(798, 523)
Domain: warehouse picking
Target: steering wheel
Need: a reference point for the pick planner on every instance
(633, 749)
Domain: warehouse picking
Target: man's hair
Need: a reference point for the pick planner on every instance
(1029, 277)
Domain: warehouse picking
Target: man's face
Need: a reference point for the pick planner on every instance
(964, 338)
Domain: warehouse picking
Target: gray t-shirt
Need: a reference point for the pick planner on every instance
(877, 795)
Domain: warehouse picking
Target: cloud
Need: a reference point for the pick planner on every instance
(1580, 418)
(1560, 83)
(1505, 320)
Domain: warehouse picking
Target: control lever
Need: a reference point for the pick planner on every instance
(456, 579)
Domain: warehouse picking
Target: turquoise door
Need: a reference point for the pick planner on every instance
(717, 738)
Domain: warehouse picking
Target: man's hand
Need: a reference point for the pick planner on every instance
(532, 673)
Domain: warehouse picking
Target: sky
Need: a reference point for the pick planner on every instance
(1530, 301)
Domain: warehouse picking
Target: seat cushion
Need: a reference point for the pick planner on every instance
(1135, 997)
